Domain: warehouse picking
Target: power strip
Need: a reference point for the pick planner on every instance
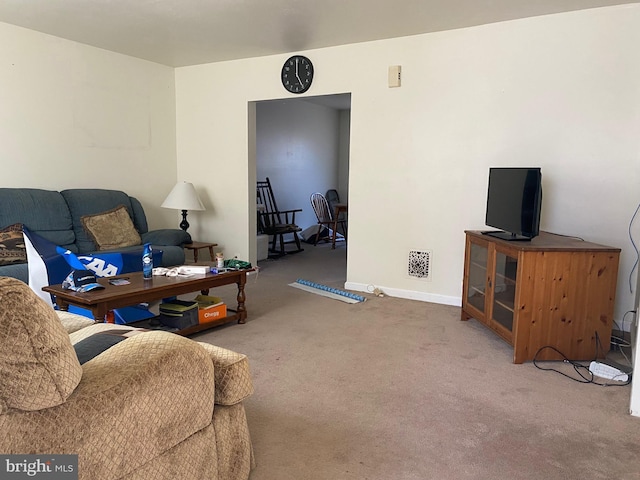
(604, 370)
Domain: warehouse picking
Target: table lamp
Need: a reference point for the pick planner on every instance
(183, 197)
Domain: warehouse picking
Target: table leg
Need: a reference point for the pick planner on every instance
(62, 305)
(99, 313)
(242, 311)
(211, 254)
(195, 255)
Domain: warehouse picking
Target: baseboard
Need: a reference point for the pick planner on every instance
(407, 294)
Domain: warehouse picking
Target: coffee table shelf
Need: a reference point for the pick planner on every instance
(158, 288)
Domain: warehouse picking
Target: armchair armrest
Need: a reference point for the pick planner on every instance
(73, 322)
(136, 400)
(232, 374)
(281, 217)
(167, 236)
(292, 213)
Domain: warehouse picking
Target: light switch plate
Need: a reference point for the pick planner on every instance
(395, 76)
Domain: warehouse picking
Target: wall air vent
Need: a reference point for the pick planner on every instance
(419, 264)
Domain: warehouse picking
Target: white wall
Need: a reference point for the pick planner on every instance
(560, 92)
(343, 155)
(74, 116)
(297, 147)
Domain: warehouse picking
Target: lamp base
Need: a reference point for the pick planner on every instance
(184, 225)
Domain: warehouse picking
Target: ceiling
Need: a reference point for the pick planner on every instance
(189, 32)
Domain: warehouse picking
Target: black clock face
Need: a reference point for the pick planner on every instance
(297, 74)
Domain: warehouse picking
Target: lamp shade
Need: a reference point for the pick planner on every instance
(183, 197)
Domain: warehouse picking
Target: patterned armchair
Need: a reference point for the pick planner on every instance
(152, 406)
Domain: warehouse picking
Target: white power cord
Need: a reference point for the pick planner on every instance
(256, 272)
(375, 290)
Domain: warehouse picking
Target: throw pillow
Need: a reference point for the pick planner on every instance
(38, 365)
(111, 229)
(12, 249)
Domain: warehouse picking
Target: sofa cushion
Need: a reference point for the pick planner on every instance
(16, 270)
(12, 249)
(139, 217)
(89, 201)
(44, 212)
(111, 229)
(38, 365)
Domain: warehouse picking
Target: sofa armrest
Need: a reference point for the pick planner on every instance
(136, 400)
(232, 374)
(167, 236)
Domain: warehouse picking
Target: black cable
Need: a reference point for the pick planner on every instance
(577, 367)
(566, 236)
(622, 342)
(635, 265)
(621, 327)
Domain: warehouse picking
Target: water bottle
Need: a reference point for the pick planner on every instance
(147, 262)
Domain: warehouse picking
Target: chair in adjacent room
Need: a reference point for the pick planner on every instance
(325, 218)
(334, 200)
(276, 223)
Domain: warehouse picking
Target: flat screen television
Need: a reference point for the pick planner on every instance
(514, 201)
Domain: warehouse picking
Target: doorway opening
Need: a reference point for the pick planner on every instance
(302, 146)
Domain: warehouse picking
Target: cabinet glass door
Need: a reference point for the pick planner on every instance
(504, 290)
(477, 289)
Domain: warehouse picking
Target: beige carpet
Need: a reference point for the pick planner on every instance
(397, 389)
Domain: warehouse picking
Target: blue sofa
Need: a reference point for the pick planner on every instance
(56, 216)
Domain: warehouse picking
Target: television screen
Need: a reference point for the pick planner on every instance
(514, 200)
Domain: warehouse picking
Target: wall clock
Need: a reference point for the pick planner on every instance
(297, 74)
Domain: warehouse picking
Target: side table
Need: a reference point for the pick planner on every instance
(195, 246)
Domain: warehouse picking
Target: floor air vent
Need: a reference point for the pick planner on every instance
(419, 264)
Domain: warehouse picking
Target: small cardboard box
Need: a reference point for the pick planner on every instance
(210, 308)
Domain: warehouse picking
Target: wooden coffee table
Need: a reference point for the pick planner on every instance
(159, 287)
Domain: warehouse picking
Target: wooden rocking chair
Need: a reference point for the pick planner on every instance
(274, 222)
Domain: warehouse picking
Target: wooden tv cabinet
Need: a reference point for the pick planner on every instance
(551, 291)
